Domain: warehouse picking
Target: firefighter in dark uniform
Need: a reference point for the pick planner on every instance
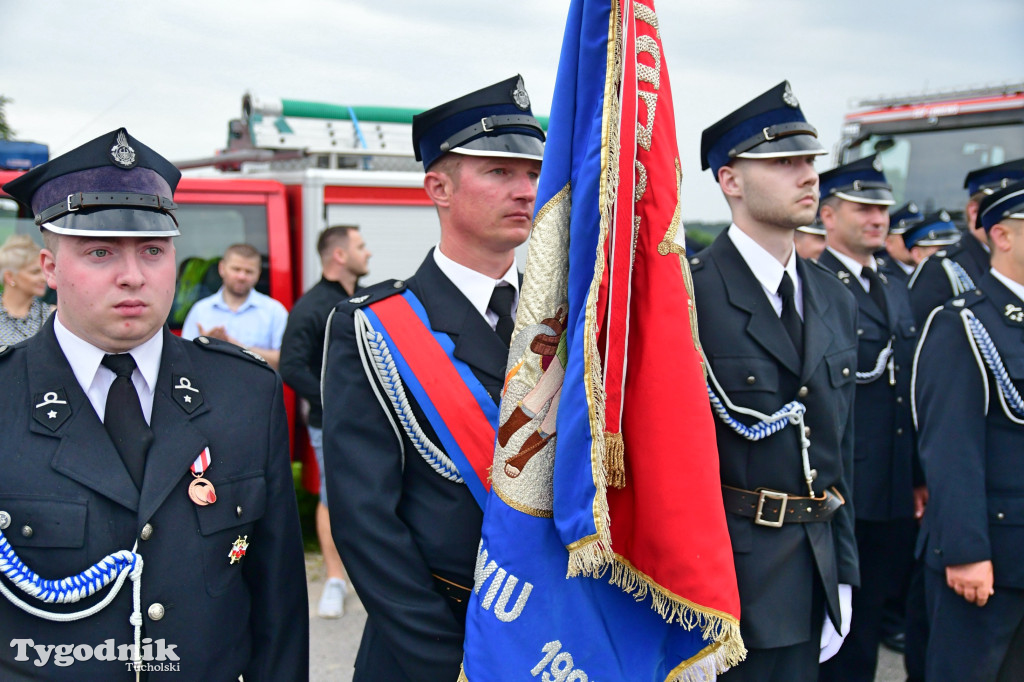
(854, 210)
(777, 329)
(958, 267)
(404, 520)
(122, 440)
(895, 258)
(969, 374)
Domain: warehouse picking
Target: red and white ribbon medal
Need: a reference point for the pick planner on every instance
(200, 490)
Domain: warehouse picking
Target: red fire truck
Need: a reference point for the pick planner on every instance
(929, 142)
(289, 170)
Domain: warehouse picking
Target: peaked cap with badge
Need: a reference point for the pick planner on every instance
(492, 121)
(114, 185)
(771, 125)
(861, 181)
(904, 217)
(991, 178)
(935, 229)
(1006, 203)
(206, 524)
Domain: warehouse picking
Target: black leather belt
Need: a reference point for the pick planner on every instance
(457, 595)
(773, 508)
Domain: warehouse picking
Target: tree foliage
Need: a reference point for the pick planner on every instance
(5, 130)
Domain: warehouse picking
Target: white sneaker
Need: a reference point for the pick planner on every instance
(332, 601)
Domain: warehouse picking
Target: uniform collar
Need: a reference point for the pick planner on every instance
(766, 268)
(853, 266)
(85, 358)
(476, 286)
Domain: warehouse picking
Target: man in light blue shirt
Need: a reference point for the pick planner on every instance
(238, 313)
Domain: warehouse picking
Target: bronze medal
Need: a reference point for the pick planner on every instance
(201, 491)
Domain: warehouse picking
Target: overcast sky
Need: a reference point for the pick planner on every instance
(174, 72)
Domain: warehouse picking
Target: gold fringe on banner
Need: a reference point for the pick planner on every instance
(615, 460)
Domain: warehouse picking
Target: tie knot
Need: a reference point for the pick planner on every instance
(786, 288)
(501, 300)
(122, 364)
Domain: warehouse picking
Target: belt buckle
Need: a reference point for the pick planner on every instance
(771, 495)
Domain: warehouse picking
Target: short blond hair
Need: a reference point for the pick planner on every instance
(16, 253)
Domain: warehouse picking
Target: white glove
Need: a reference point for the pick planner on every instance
(831, 640)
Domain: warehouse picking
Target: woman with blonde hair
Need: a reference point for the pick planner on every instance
(22, 311)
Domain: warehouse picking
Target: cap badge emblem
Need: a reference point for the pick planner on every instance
(912, 207)
(122, 153)
(877, 164)
(1014, 313)
(789, 98)
(519, 96)
(943, 216)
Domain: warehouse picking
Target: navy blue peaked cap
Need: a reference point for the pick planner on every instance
(903, 217)
(1007, 202)
(861, 181)
(114, 185)
(769, 126)
(935, 229)
(492, 121)
(992, 178)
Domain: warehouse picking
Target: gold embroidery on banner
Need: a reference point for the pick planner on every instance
(462, 675)
(542, 513)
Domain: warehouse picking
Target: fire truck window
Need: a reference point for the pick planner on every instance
(206, 230)
(929, 167)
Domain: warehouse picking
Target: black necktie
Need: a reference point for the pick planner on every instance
(501, 305)
(123, 417)
(790, 317)
(875, 292)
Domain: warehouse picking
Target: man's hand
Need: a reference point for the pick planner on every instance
(920, 501)
(217, 333)
(973, 582)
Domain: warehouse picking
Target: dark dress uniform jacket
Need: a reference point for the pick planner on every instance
(930, 286)
(401, 528)
(64, 479)
(885, 448)
(757, 365)
(973, 460)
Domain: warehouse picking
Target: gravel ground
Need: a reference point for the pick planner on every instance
(333, 643)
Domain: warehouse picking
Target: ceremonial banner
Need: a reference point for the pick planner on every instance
(605, 553)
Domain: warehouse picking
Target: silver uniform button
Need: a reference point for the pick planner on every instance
(203, 340)
(26, 531)
(5, 520)
(147, 531)
(1000, 516)
(803, 391)
(155, 611)
(238, 511)
(846, 371)
(751, 379)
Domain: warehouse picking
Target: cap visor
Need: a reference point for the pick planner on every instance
(509, 145)
(876, 197)
(791, 145)
(115, 222)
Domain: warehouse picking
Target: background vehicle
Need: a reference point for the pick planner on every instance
(928, 143)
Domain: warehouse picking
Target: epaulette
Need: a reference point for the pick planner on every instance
(7, 350)
(372, 294)
(696, 263)
(967, 299)
(230, 349)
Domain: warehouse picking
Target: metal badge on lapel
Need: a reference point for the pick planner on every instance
(200, 490)
(185, 394)
(1014, 313)
(238, 549)
(51, 408)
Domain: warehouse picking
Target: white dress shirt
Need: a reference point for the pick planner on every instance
(768, 270)
(476, 286)
(95, 379)
(1016, 287)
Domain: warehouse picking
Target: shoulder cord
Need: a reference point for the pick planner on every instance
(790, 413)
(985, 348)
(378, 363)
(959, 280)
(884, 360)
(113, 567)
